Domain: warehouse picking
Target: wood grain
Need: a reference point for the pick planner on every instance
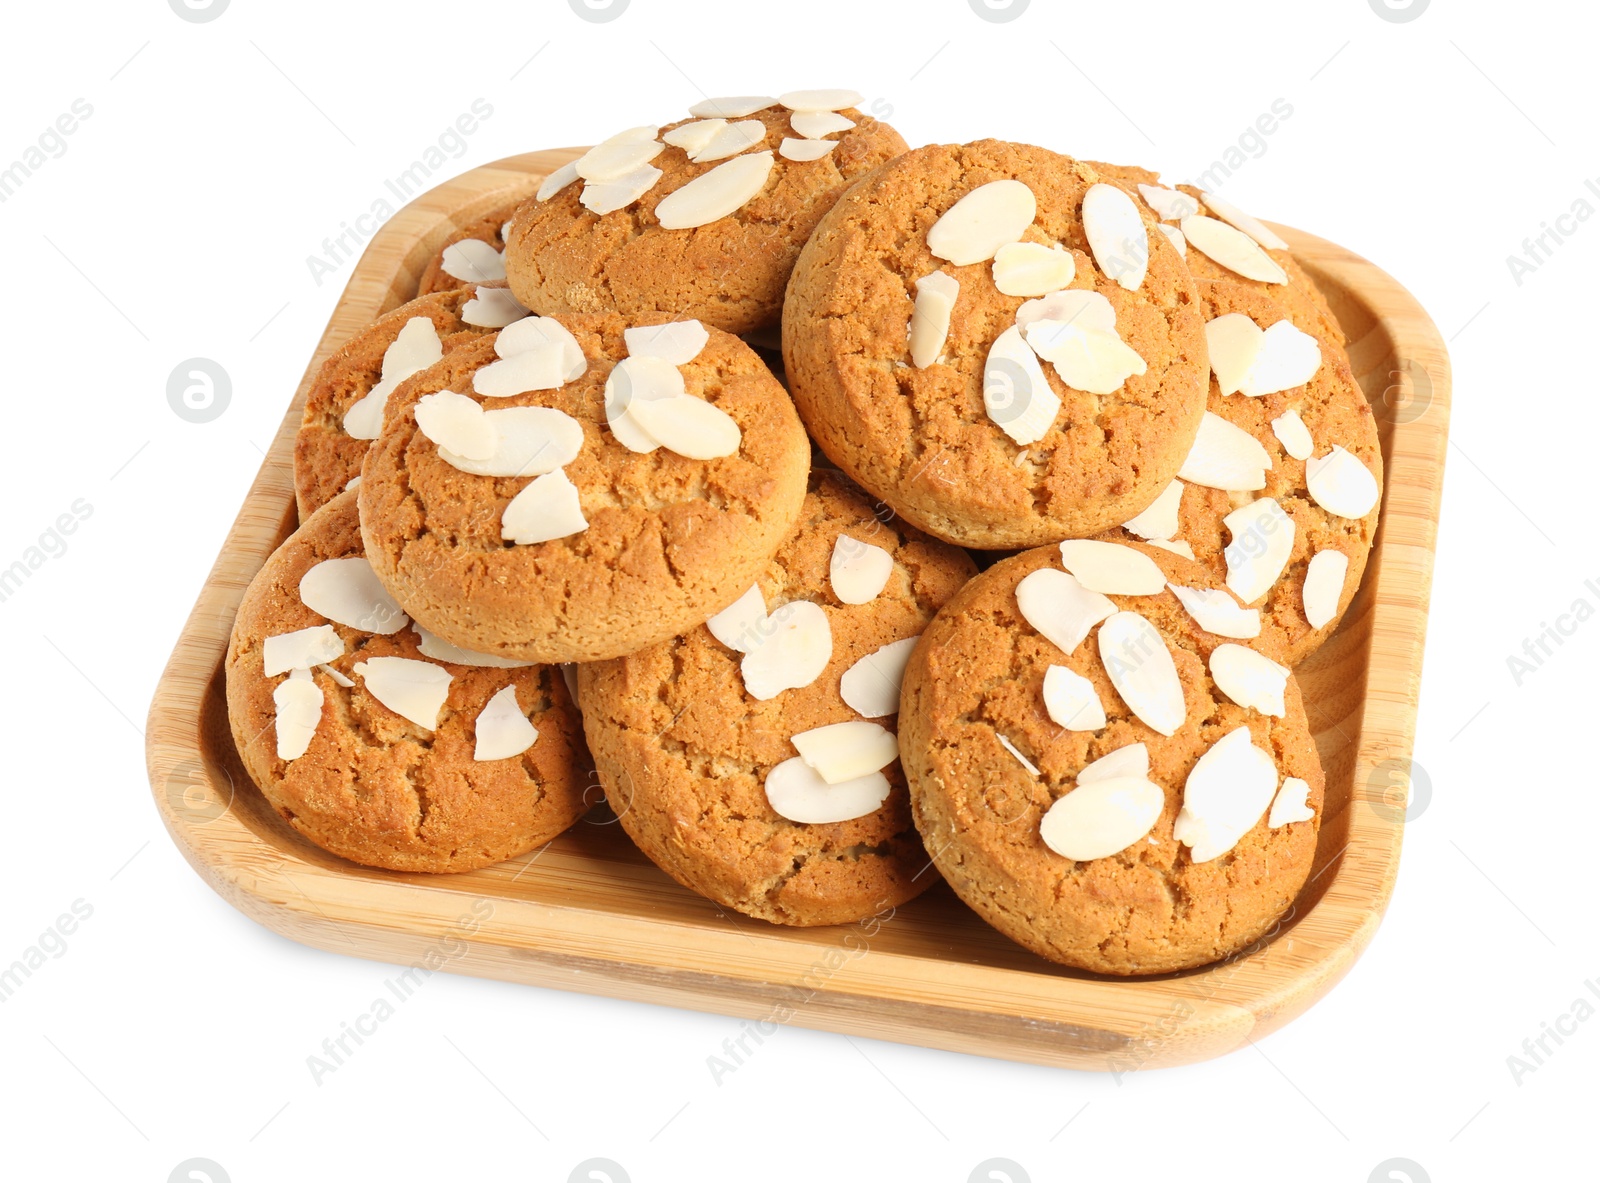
(589, 913)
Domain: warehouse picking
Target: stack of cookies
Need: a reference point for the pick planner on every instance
(1001, 566)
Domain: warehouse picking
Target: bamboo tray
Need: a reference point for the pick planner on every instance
(589, 913)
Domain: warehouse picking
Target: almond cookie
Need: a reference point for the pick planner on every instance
(575, 489)
(702, 218)
(754, 757)
(344, 408)
(379, 742)
(475, 254)
(998, 344)
(1279, 498)
(1099, 781)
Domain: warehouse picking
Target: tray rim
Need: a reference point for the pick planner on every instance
(1008, 1013)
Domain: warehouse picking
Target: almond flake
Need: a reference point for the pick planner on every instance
(1341, 484)
(1224, 456)
(634, 380)
(736, 107)
(414, 690)
(1288, 358)
(813, 125)
(797, 793)
(858, 570)
(1233, 342)
(1071, 700)
(624, 153)
(1294, 435)
(1091, 360)
(1176, 545)
(1325, 576)
(715, 194)
(1032, 269)
(557, 181)
(501, 729)
(687, 425)
(1099, 819)
(539, 368)
(537, 332)
(527, 441)
(1016, 393)
(819, 100)
(1218, 613)
(1160, 521)
(804, 150)
(347, 592)
(1240, 220)
(1140, 667)
(300, 650)
(473, 261)
(1078, 306)
(1291, 804)
(1033, 769)
(353, 483)
(678, 342)
(456, 424)
(414, 349)
(1112, 568)
(297, 708)
(847, 751)
(982, 222)
(1249, 678)
(871, 687)
(569, 679)
(1060, 608)
(1233, 249)
(440, 649)
(337, 678)
(730, 140)
(492, 308)
(604, 197)
(1116, 234)
(738, 625)
(1169, 204)
(692, 137)
(1228, 790)
(1176, 238)
(793, 654)
(1263, 541)
(1130, 760)
(505, 229)
(546, 509)
(930, 317)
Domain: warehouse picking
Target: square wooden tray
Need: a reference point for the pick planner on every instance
(590, 913)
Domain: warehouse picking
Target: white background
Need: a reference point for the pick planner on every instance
(177, 223)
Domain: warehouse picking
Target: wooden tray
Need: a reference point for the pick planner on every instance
(590, 913)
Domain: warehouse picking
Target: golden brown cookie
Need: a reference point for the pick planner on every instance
(637, 545)
(1129, 897)
(729, 272)
(457, 264)
(685, 750)
(370, 784)
(940, 442)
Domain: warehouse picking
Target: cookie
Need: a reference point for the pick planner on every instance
(462, 260)
(327, 456)
(705, 221)
(928, 384)
(1280, 500)
(514, 504)
(690, 758)
(1164, 857)
(378, 743)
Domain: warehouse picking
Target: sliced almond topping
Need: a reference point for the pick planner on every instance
(1092, 360)
(819, 100)
(692, 137)
(1292, 804)
(1140, 667)
(536, 332)
(1176, 238)
(1160, 521)
(635, 380)
(1103, 817)
(1169, 204)
(1112, 568)
(1217, 612)
(527, 441)
(1294, 435)
(440, 649)
(730, 140)
(492, 308)
(687, 425)
(1231, 248)
(1263, 541)
(540, 368)
(738, 625)
(1032, 269)
(1240, 220)
(455, 423)
(501, 729)
(557, 181)
(353, 483)
(846, 751)
(415, 349)
(1341, 484)
(804, 150)
(414, 690)
(1071, 700)
(1077, 306)
(472, 261)
(871, 687)
(1228, 790)
(982, 222)
(300, 650)
(1288, 358)
(1176, 545)
(1227, 457)
(858, 570)
(1033, 769)
(813, 125)
(569, 678)
(679, 342)
(1116, 234)
(736, 107)
(1130, 760)
(797, 793)
(1060, 608)
(297, 709)
(1249, 678)
(796, 648)
(1016, 393)
(347, 592)
(623, 153)
(1325, 576)
(715, 194)
(604, 197)
(1234, 342)
(930, 317)
(338, 678)
(547, 508)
